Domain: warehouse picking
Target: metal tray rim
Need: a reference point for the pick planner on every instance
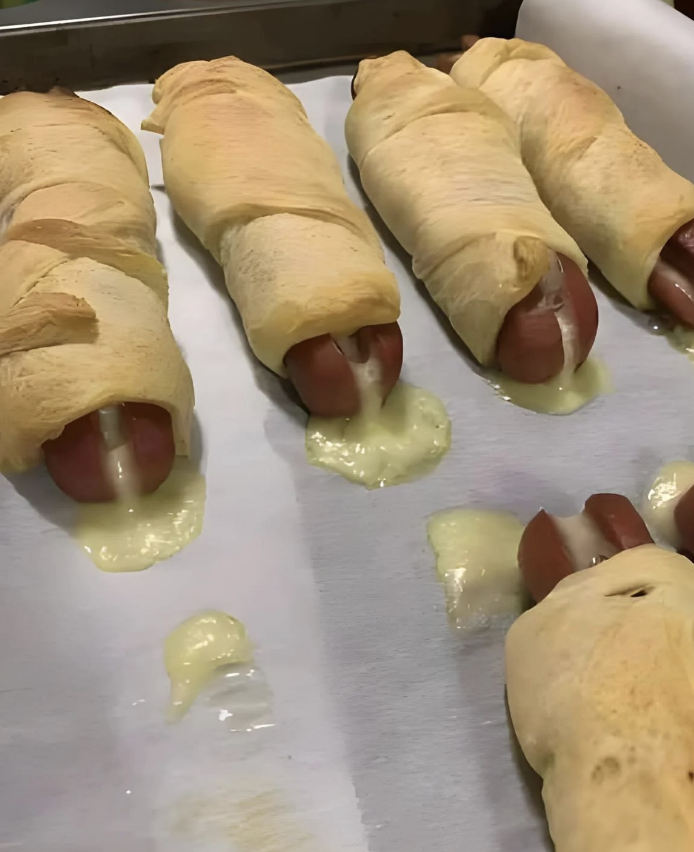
(170, 14)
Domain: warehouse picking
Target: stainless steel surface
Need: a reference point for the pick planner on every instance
(52, 12)
(83, 43)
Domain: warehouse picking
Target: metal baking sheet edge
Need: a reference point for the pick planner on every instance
(104, 51)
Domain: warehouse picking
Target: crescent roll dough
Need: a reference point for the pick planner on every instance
(600, 680)
(610, 190)
(442, 166)
(83, 298)
(264, 193)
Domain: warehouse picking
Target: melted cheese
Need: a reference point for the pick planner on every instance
(119, 460)
(387, 443)
(571, 389)
(586, 545)
(566, 393)
(477, 563)
(401, 441)
(658, 510)
(553, 292)
(196, 650)
(135, 532)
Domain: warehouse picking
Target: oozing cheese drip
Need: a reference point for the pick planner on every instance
(552, 286)
(477, 563)
(120, 463)
(385, 444)
(196, 650)
(672, 481)
(586, 545)
(561, 395)
(680, 337)
(572, 388)
(134, 532)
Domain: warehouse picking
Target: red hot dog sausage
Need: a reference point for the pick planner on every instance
(684, 520)
(671, 283)
(76, 460)
(542, 556)
(618, 521)
(323, 378)
(552, 548)
(446, 61)
(529, 346)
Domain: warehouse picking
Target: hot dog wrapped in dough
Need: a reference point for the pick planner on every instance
(631, 214)
(442, 166)
(83, 300)
(600, 681)
(552, 547)
(264, 194)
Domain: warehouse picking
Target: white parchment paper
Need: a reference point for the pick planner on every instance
(390, 731)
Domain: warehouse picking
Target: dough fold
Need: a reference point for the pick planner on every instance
(600, 681)
(442, 166)
(83, 298)
(606, 187)
(264, 194)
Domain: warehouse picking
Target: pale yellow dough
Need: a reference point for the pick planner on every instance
(264, 193)
(601, 695)
(610, 190)
(442, 166)
(83, 299)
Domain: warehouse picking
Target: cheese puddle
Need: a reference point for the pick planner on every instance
(477, 563)
(562, 395)
(196, 650)
(135, 532)
(658, 510)
(385, 445)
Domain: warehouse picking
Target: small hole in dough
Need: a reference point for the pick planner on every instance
(640, 592)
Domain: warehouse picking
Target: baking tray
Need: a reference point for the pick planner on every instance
(94, 44)
(390, 729)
